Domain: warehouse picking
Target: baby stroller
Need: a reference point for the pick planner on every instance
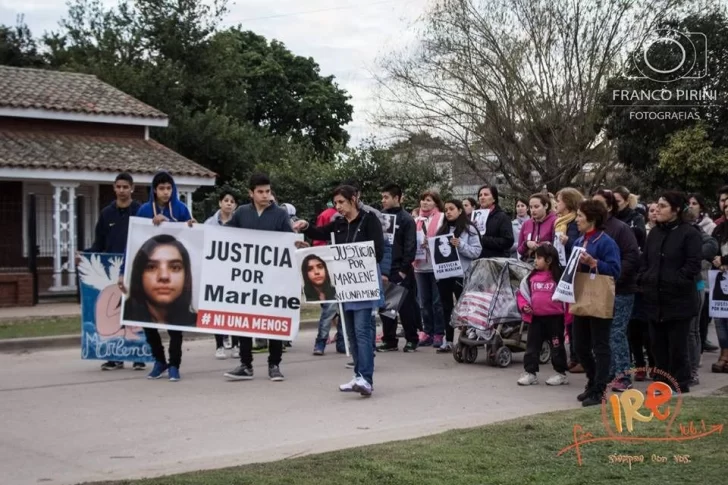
(487, 313)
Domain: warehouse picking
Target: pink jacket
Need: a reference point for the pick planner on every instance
(538, 296)
(539, 232)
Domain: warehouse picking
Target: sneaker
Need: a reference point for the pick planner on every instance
(621, 386)
(557, 380)
(227, 342)
(274, 373)
(318, 349)
(220, 353)
(157, 371)
(241, 373)
(139, 366)
(174, 374)
(446, 347)
(387, 348)
(527, 379)
(409, 347)
(694, 381)
(362, 387)
(585, 394)
(592, 399)
(640, 376)
(425, 341)
(577, 369)
(111, 365)
(350, 365)
(437, 341)
(349, 386)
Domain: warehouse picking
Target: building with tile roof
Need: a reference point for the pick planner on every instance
(63, 139)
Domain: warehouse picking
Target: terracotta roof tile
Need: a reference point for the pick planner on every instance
(104, 154)
(67, 92)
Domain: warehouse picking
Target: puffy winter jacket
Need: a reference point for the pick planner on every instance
(498, 237)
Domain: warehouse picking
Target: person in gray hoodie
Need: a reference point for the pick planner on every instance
(227, 204)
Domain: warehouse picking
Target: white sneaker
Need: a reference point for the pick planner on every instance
(227, 342)
(557, 380)
(349, 386)
(527, 379)
(221, 354)
(362, 387)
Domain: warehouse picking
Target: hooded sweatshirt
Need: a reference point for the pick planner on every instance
(539, 232)
(536, 291)
(174, 210)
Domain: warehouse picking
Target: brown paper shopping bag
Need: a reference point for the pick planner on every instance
(594, 295)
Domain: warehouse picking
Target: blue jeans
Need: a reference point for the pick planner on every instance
(433, 321)
(721, 328)
(618, 342)
(360, 330)
(328, 312)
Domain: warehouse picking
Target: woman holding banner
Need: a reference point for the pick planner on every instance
(591, 334)
(356, 225)
(720, 262)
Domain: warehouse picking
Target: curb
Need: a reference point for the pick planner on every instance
(14, 345)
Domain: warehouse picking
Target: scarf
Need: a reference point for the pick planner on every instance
(563, 221)
(431, 220)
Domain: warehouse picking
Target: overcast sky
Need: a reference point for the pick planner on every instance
(345, 37)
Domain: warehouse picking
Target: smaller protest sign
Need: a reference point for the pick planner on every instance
(389, 226)
(718, 294)
(565, 289)
(560, 248)
(480, 218)
(339, 273)
(445, 258)
(102, 335)
(421, 253)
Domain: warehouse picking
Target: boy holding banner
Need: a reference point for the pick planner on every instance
(356, 226)
(261, 215)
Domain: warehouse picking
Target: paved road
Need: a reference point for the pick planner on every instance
(64, 422)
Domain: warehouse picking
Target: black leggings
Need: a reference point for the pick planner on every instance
(639, 343)
(175, 346)
(545, 328)
(450, 290)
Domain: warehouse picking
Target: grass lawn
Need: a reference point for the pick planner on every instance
(522, 451)
(47, 327)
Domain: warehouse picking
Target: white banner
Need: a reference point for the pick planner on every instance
(480, 219)
(339, 273)
(560, 248)
(565, 289)
(718, 294)
(212, 279)
(421, 253)
(445, 258)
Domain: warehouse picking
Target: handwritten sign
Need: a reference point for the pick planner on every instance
(339, 273)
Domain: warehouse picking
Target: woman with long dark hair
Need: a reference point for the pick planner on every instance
(668, 277)
(316, 279)
(466, 239)
(498, 238)
(160, 291)
(356, 225)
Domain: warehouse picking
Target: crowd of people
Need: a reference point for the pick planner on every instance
(657, 253)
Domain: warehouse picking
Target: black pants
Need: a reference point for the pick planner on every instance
(450, 290)
(409, 313)
(704, 322)
(175, 346)
(275, 351)
(592, 347)
(572, 345)
(670, 347)
(550, 328)
(219, 341)
(639, 342)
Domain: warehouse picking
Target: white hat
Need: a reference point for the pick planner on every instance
(291, 210)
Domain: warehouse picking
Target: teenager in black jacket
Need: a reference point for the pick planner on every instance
(498, 238)
(668, 278)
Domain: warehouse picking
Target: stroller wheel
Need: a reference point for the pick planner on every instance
(545, 356)
(503, 357)
(491, 356)
(471, 354)
(457, 352)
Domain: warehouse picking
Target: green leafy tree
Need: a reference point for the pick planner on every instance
(18, 48)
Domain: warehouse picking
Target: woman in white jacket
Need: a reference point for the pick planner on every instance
(466, 239)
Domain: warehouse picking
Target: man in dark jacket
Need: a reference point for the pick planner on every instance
(401, 273)
(260, 215)
(111, 233)
(498, 237)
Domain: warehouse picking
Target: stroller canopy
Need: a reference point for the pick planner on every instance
(489, 294)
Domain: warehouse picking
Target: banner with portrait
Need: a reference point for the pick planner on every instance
(565, 289)
(445, 258)
(339, 273)
(718, 294)
(212, 279)
(479, 217)
(389, 227)
(102, 335)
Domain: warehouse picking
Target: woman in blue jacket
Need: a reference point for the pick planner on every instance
(592, 334)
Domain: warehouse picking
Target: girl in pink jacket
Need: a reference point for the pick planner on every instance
(537, 230)
(546, 316)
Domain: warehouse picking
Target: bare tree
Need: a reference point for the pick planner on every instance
(513, 85)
